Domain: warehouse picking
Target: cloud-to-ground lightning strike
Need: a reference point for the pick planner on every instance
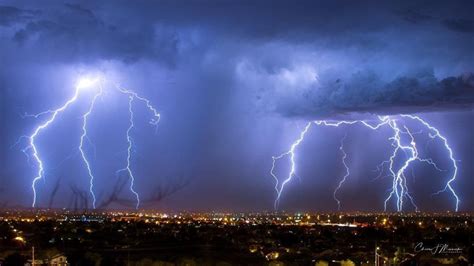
(434, 135)
(399, 190)
(129, 152)
(81, 145)
(83, 84)
(399, 186)
(346, 172)
(290, 153)
(37, 131)
(153, 121)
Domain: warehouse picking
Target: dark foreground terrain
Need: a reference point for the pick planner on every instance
(119, 238)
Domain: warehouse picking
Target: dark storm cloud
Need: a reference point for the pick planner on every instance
(77, 33)
(461, 25)
(414, 16)
(364, 92)
(374, 38)
(452, 23)
(10, 15)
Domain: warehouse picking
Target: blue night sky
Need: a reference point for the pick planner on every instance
(235, 83)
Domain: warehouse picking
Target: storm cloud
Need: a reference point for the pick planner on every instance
(365, 92)
(399, 59)
(365, 58)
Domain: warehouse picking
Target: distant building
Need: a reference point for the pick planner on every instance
(58, 260)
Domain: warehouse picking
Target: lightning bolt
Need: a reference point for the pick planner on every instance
(153, 121)
(436, 134)
(129, 152)
(31, 150)
(343, 160)
(32, 140)
(399, 190)
(81, 145)
(291, 153)
(399, 185)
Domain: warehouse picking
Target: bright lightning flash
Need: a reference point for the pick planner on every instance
(87, 82)
(406, 153)
(85, 118)
(84, 83)
(129, 152)
(153, 121)
(346, 174)
(437, 135)
(32, 138)
(290, 153)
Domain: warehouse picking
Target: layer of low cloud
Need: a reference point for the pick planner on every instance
(302, 93)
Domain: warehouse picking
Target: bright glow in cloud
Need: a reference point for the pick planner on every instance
(87, 82)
